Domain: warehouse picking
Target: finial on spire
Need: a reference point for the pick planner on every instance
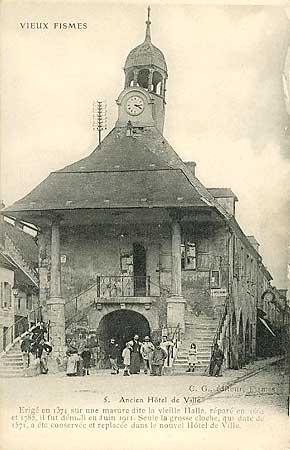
(148, 23)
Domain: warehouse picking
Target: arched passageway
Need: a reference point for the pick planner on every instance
(122, 325)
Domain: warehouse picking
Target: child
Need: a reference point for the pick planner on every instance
(126, 355)
(192, 358)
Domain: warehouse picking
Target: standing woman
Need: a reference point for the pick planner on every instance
(192, 358)
(135, 355)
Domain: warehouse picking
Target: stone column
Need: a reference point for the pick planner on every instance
(150, 79)
(176, 303)
(42, 272)
(55, 303)
(164, 87)
(135, 79)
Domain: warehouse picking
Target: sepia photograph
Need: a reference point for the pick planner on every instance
(144, 226)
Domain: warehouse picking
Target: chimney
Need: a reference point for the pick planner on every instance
(191, 165)
(254, 242)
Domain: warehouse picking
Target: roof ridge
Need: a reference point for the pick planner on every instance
(117, 171)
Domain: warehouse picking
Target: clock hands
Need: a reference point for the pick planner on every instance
(138, 106)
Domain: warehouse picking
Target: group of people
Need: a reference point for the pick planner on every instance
(78, 363)
(36, 348)
(136, 352)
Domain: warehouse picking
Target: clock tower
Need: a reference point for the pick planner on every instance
(142, 102)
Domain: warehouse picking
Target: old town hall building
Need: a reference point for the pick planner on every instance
(131, 241)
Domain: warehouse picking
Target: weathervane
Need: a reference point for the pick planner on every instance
(148, 23)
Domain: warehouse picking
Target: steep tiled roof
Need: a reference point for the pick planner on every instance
(23, 241)
(6, 262)
(118, 152)
(124, 171)
(74, 190)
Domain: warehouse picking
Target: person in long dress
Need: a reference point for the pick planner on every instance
(135, 355)
(72, 363)
(126, 355)
(192, 358)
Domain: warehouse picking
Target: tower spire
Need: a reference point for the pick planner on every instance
(148, 23)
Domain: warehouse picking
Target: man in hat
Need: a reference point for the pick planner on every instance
(216, 361)
(146, 351)
(158, 358)
(113, 356)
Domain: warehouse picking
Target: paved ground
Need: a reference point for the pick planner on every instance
(245, 409)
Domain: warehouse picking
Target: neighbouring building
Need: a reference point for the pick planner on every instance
(131, 241)
(18, 281)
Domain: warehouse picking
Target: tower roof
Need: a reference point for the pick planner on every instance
(146, 53)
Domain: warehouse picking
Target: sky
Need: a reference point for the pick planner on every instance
(225, 104)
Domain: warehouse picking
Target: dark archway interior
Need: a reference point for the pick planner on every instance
(234, 364)
(241, 342)
(122, 325)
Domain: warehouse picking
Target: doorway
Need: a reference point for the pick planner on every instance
(139, 268)
(122, 325)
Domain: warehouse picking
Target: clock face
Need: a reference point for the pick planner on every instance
(135, 105)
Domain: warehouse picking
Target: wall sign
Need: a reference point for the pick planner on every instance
(219, 292)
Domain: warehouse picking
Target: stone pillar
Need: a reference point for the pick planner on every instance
(55, 303)
(42, 272)
(163, 87)
(150, 78)
(135, 79)
(176, 303)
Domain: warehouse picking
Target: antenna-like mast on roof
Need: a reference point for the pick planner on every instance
(100, 117)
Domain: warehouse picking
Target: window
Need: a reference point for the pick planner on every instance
(5, 294)
(28, 301)
(19, 302)
(215, 279)
(188, 256)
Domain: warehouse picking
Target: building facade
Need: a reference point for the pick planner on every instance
(18, 281)
(130, 241)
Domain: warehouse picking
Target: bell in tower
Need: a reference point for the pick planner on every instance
(145, 71)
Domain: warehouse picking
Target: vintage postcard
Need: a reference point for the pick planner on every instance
(144, 226)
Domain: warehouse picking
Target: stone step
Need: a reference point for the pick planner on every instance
(11, 358)
(183, 368)
(204, 337)
(200, 353)
(5, 363)
(201, 330)
(11, 371)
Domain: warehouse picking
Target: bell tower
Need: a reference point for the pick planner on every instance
(143, 99)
